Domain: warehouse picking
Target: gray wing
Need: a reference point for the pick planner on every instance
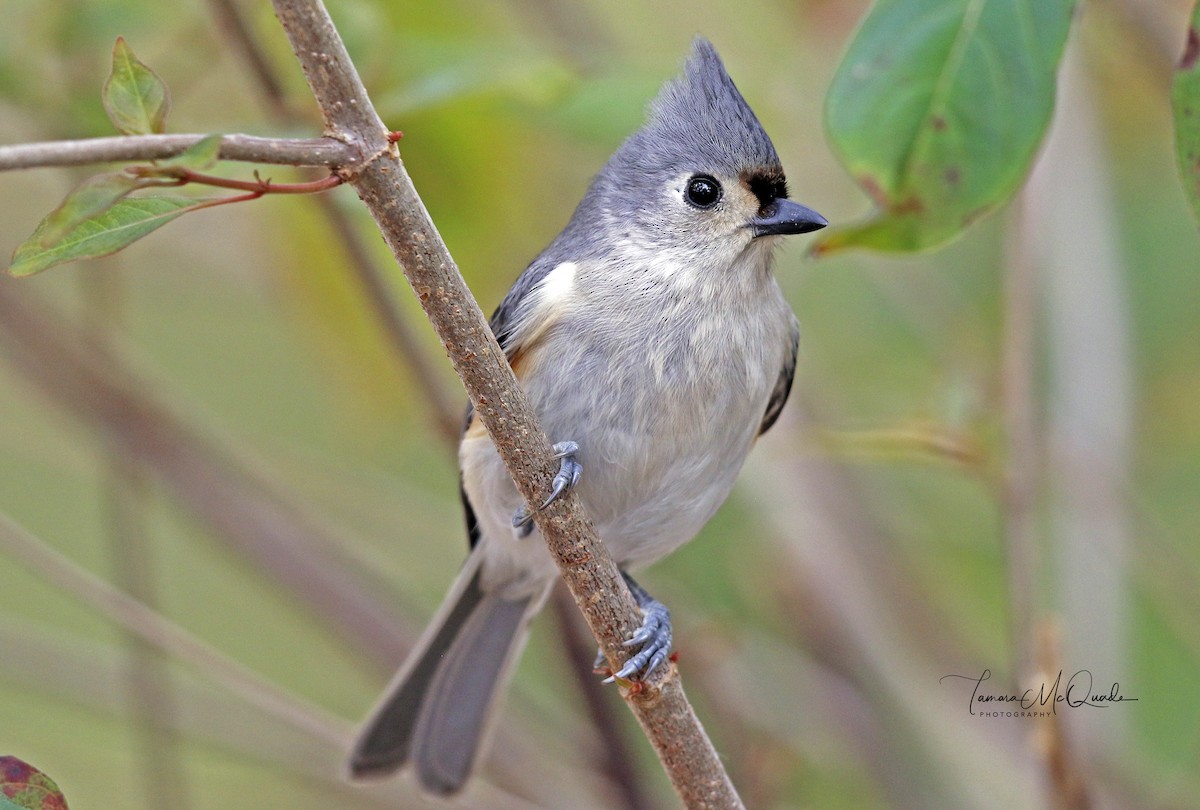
(783, 386)
(507, 315)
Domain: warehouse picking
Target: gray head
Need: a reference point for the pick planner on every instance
(701, 177)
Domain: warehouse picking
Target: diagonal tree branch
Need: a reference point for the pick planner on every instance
(383, 184)
(440, 409)
(442, 412)
(248, 148)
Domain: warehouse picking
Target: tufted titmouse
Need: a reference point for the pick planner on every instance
(655, 346)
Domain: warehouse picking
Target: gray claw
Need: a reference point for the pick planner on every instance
(650, 627)
(569, 473)
(522, 521)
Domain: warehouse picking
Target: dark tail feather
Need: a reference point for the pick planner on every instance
(437, 708)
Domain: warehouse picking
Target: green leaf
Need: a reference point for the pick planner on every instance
(1185, 102)
(24, 787)
(201, 155)
(89, 199)
(135, 98)
(937, 110)
(125, 222)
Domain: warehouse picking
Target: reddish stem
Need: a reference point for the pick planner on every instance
(258, 186)
(253, 195)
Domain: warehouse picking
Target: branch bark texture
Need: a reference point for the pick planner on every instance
(248, 148)
(382, 183)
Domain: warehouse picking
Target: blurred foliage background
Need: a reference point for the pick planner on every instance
(990, 461)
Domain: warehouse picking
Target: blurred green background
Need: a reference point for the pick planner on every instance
(990, 462)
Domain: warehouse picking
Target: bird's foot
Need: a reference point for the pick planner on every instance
(569, 473)
(652, 640)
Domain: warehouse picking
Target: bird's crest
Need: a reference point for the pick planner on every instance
(701, 116)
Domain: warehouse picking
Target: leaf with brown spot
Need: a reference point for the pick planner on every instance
(937, 110)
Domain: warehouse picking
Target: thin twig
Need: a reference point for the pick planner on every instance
(258, 185)
(149, 687)
(78, 673)
(246, 148)
(1073, 225)
(383, 184)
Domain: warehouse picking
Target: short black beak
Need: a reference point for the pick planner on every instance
(786, 217)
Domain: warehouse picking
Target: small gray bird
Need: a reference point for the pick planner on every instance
(655, 346)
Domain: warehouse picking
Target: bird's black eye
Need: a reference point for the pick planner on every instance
(702, 191)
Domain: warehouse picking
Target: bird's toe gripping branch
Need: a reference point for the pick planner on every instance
(652, 639)
(569, 473)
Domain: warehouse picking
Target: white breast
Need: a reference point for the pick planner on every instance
(662, 384)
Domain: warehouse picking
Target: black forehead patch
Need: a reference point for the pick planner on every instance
(767, 186)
